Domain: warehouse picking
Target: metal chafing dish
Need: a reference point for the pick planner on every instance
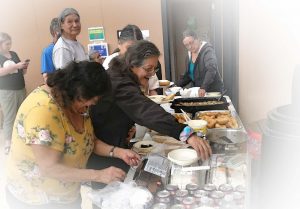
(227, 140)
(189, 104)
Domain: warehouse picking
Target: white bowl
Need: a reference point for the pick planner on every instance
(213, 94)
(183, 157)
(197, 124)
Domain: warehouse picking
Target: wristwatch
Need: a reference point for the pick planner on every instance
(111, 152)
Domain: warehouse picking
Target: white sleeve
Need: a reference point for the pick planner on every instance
(153, 83)
(61, 57)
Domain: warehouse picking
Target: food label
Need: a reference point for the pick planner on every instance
(158, 165)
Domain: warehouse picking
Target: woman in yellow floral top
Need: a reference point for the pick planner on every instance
(53, 138)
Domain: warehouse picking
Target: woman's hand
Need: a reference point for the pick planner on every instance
(109, 175)
(201, 146)
(201, 92)
(128, 156)
(22, 65)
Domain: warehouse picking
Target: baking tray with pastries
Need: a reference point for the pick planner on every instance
(218, 119)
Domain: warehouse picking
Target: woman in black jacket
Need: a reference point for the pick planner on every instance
(116, 113)
(201, 65)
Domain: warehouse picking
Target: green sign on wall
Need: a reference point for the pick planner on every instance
(96, 34)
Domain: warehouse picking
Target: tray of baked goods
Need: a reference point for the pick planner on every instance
(220, 119)
(193, 105)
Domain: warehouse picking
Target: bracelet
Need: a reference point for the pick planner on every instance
(111, 152)
(186, 133)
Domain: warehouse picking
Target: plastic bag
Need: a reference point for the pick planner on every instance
(190, 92)
(119, 195)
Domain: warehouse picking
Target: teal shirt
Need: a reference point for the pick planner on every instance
(191, 69)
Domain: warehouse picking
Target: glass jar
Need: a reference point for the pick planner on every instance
(178, 206)
(160, 205)
(209, 187)
(163, 197)
(228, 202)
(239, 198)
(240, 188)
(217, 197)
(188, 202)
(172, 189)
(198, 194)
(180, 195)
(206, 201)
(226, 188)
(191, 188)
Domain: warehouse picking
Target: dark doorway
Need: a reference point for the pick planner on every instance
(217, 22)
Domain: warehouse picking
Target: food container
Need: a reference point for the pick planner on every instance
(192, 188)
(183, 157)
(226, 188)
(198, 194)
(188, 202)
(220, 119)
(199, 126)
(217, 197)
(227, 140)
(160, 206)
(180, 195)
(193, 105)
(164, 82)
(163, 197)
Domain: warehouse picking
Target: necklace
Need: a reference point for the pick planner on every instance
(76, 120)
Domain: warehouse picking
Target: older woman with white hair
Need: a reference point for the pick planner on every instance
(67, 48)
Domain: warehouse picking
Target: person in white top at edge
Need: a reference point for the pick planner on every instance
(67, 48)
(129, 34)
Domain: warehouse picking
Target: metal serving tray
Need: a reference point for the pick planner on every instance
(232, 113)
(193, 109)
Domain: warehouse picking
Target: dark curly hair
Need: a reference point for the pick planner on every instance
(82, 80)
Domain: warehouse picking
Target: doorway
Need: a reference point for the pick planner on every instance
(216, 21)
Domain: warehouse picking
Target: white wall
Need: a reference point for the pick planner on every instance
(269, 49)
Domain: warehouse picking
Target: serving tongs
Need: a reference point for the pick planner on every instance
(185, 115)
(223, 93)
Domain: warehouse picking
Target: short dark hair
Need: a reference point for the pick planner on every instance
(130, 33)
(138, 52)
(82, 80)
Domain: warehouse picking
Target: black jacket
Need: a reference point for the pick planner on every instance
(206, 74)
(116, 113)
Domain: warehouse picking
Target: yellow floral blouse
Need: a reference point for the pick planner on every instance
(41, 121)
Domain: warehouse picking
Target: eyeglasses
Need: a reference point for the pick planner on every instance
(190, 44)
(150, 70)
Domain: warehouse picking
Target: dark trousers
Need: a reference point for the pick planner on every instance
(14, 203)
